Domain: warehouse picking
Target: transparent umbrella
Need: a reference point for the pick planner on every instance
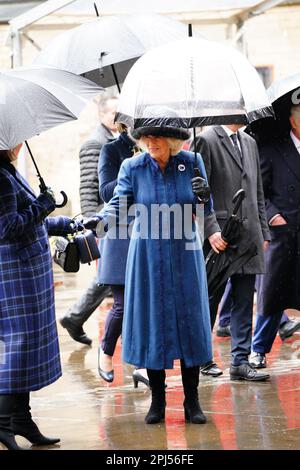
(204, 82)
(105, 49)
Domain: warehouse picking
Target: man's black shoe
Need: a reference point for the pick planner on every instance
(211, 369)
(246, 372)
(289, 328)
(76, 332)
(257, 360)
(223, 331)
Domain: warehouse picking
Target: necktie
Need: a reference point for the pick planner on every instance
(237, 151)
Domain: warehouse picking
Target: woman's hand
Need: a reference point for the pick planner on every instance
(48, 192)
(200, 188)
(96, 224)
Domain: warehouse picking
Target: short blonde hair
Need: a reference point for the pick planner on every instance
(121, 127)
(175, 145)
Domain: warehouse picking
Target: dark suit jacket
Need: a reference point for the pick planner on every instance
(280, 168)
(226, 176)
(279, 287)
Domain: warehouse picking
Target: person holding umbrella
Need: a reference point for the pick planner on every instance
(28, 330)
(166, 314)
(279, 287)
(231, 161)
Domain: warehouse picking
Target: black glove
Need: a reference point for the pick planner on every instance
(91, 223)
(49, 194)
(201, 189)
(76, 226)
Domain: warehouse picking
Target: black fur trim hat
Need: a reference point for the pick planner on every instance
(162, 131)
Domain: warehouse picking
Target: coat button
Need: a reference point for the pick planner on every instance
(291, 187)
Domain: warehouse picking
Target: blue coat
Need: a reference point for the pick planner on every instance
(30, 352)
(166, 315)
(279, 286)
(111, 268)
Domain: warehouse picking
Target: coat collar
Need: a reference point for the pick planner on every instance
(12, 170)
(225, 140)
(290, 155)
(124, 137)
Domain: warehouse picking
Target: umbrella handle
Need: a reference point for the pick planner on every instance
(237, 200)
(65, 200)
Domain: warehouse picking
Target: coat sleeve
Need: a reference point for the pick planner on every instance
(116, 210)
(261, 202)
(108, 169)
(58, 226)
(211, 225)
(267, 177)
(14, 222)
(89, 184)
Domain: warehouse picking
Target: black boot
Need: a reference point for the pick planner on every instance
(156, 412)
(23, 425)
(190, 381)
(7, 437)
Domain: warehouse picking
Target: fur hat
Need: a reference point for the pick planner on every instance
(162, 131)
(160, 121)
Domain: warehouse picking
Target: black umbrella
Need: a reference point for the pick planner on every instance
(220, 266)
(283, 94)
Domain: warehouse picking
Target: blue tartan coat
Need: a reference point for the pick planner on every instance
(166, 314)
(29, 349)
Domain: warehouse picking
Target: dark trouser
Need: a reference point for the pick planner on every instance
(226, 308)
(265, 331)
(241, 318)
(80, 312)
(113, 324)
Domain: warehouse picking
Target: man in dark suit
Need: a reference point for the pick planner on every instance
(232, 162)
(279, 287)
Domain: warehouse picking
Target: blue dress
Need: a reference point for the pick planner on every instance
(166, 315)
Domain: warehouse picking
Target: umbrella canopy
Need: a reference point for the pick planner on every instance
(220, 266)
(283, 94)
(92, 48)
(33, 100)
(202, 81)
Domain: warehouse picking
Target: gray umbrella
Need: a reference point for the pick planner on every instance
(33, 100)
(105, 49)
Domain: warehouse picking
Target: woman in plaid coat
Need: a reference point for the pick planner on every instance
(29, 349)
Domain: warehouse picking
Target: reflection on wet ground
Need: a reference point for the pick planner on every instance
(87, 413)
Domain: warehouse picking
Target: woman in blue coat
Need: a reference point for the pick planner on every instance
(166, 302)
(29, 350)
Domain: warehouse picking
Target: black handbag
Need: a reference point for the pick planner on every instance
(66, 254)
(87, 246)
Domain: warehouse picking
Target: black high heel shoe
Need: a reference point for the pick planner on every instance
(137, 377)
(107, 376)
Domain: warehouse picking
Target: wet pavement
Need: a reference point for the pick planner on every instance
(89, 414)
